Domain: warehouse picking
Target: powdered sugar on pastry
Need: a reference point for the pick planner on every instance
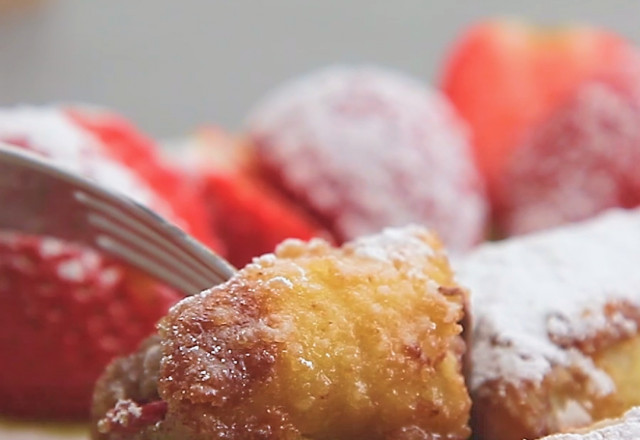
(625, 428)
(395, 244)
(542, 300)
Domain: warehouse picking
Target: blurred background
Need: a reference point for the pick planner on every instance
(172, 65)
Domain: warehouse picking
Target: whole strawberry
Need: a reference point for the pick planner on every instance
(506, 76)
(362, 148)
(65, 310)
(65, 313)
(580, 161)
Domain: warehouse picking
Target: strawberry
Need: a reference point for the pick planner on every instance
(363, 148)
(132, 148)
(249, 216)
(66, 313)
(505, 76)
(66, 310)
(578, 162)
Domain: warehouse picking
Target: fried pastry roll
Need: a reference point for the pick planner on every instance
(555, 343)
(312, 342)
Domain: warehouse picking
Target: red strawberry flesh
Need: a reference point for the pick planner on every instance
(248, 214)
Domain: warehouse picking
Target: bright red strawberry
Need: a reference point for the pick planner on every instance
(65, 311)
(249, 216)
(505, 76)
(129, 146)
(582, 160)
(363, 148)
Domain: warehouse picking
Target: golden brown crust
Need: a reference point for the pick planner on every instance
(361, 342)
(218, 348)
(619, 314)
(228, 334)
(565, 399)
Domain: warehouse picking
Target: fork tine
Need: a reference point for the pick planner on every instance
(200, 268)
(210, 260)
(154, 229)
(153, 253)
(118, 249)
(140, 230)
(50, 200)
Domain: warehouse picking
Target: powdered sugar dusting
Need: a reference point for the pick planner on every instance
(79, 269)
(394, 244)
(369, 148)
(51, 133)
(71, 270)
(625, 428)
(531, 290)
(578, 163)
(51, 247)
(71, 263)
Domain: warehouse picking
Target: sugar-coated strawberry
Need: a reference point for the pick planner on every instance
(505, 76)
(250, 217)
(363, 148)
(580, 161)
(66, 310)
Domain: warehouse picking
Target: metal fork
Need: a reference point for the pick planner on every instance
(38, 197)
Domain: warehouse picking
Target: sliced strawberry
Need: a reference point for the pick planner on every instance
(130, 147)
(253, 219)
(248, 215)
